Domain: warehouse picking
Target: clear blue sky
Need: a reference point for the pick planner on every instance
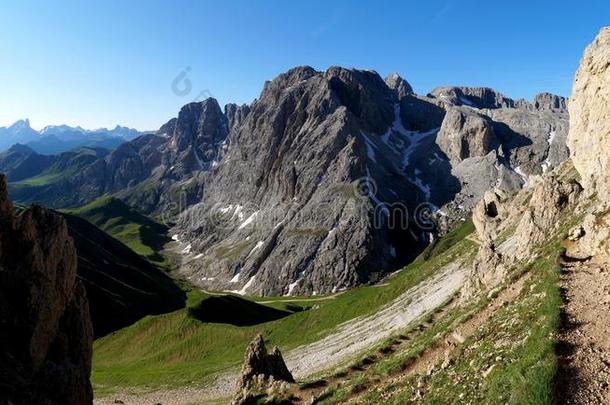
(101, 63)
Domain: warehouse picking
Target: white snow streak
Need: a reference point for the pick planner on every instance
(248, 221)
(370, 147)
(522, 175)
(547, 162)
(235, 278)
(245, 288)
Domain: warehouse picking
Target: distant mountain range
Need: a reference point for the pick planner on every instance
(56, 139)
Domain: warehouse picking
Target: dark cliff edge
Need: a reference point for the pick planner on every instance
(45, 329)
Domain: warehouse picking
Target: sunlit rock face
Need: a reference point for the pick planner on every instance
(589, 107)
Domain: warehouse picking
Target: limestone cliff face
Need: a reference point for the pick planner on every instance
(589, 108)
(588, 140)
(526, 220)
(45, 330)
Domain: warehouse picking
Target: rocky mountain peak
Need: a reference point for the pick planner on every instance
(479, 97)
(464, 134)
(549, 102)
(399, 85)
(364, 94)
(21, 125)
(236, 114)
(288, 79)
(589, 108)
(202, 124)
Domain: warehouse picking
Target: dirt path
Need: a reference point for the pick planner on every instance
(584, 335)
(350, 339)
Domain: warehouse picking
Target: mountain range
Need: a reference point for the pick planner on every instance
(343, 176)
(55, 139)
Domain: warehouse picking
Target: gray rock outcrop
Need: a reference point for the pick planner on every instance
(262, 373)
(478, 97)
(399, 86)
(464, 134)
(236, 114)
(527, 219)
(588, 140)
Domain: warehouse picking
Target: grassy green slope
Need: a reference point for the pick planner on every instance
(175, 349)
(143, 235)
(121, 285)
(68, 164)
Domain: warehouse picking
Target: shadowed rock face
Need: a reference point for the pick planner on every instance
(236, 114)
(45, 330)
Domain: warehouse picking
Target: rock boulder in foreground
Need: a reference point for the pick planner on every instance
(262, 373)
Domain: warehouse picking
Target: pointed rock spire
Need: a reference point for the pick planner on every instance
(399, 85)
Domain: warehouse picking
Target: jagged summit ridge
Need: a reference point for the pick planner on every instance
(313, 133)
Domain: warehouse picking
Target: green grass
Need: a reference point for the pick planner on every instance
(140, 233)
(444, 243)
(177, 350)
(517, 342)
(73, 162)
(42, 179)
